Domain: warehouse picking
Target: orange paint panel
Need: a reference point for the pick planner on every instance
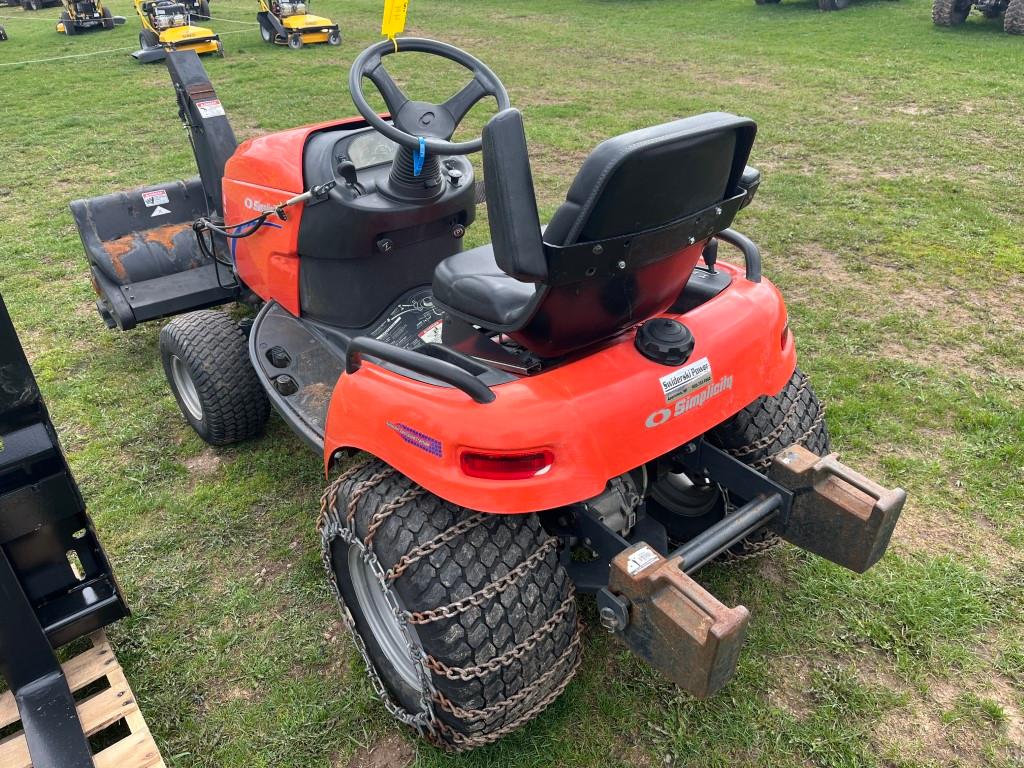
(267, 261)
(601, 415)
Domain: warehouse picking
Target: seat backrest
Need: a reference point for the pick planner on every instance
(621, 247)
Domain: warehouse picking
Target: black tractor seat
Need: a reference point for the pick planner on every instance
(621, 247)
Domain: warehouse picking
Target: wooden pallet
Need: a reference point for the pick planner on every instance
(98, 712)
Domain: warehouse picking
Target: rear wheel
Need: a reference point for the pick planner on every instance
(204, 10)
(108, 19)
(467, 622)
(1013, 21)
(206, 360)
(754, 436)
(31, 5)
(295, 41)
(65, 20)
(949, 13)
(267, 34)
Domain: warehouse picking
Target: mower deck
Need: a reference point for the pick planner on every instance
(99, 712)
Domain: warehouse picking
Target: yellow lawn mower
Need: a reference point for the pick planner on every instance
(167, 26)
(287, 22)
(81, 15)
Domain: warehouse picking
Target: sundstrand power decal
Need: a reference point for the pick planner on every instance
(689, 387)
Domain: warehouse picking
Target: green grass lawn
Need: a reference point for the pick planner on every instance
(891, 217)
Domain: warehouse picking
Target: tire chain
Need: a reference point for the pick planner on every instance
(423, 550)
(754, 549)
(493, 589)
(513, 653)
(768, 439)
(426, 722)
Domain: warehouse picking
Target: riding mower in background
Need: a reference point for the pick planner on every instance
(950, 13)
(167, 26)
(290, 23)
(56, 588)
(823, 5)
(81, 15)
(3, 33)
(600, 406)
(38, 5)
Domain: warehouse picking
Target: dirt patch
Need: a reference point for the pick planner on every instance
(392, 752)
(204, 464)
(794, 676)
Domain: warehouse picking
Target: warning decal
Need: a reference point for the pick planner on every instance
(155, 197)
(210, 108)
(685, 380)
(642, 558)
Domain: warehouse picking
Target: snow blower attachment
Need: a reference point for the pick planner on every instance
(291, 24)
(144, 256)
(599, 406)
(82, 15)
(167, 26)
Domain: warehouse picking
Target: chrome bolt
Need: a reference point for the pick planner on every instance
(608, 619)
(622, 265)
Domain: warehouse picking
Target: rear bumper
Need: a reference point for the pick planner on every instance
(600, 416)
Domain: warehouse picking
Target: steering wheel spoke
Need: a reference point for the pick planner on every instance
(394, 97)
(458, 106)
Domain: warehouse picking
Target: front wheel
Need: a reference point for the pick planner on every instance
(334, 37)
(148, 39)
(467, 622)
(295, 41)
(1013, 20)
(206, 360)
(950, 13)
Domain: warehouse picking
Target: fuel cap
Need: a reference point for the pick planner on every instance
(664, 341)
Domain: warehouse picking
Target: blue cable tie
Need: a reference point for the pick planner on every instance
(419, 157)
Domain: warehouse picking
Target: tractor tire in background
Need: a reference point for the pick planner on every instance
(206, 360)
(950, 13)
(832, 5)
(31, 5)
(204, 10)
(754, 436)
(467, 622)
(69, 26)
(1013, 20)
(108, 19)
(766, 2)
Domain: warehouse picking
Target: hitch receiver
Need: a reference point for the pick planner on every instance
(676, 625)
(837, 513)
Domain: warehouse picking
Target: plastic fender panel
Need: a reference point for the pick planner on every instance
(267, 261)
(601, 415)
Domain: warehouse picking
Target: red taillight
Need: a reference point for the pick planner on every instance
(507, 466)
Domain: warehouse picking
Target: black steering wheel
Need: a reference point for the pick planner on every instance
(415, 120)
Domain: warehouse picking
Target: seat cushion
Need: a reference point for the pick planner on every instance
(471, 285)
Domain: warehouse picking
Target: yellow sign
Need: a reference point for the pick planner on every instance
(394, 19)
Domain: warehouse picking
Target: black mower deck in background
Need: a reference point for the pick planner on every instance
(56, 586)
